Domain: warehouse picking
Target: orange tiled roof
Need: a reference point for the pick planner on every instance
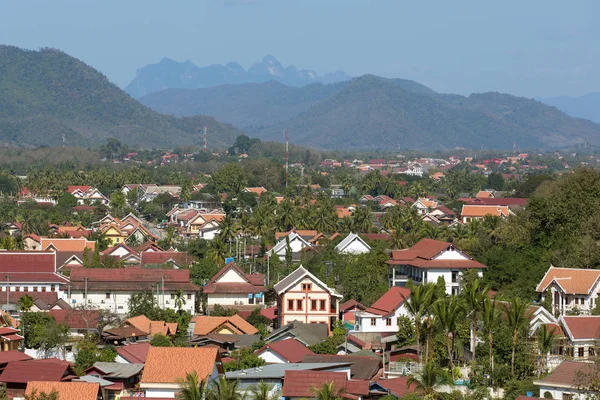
(571, 280)
(256, 190)
(70, 244)
(66, 390)
(482, 211)
(142, 323)
(343, 212)
(484, 194)
(169, 364)
(428, 203)
(205, 324)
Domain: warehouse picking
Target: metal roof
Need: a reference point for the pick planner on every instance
(277, 371)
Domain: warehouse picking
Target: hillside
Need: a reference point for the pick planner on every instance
(47, 94)
(370, 113)
(586, 106)
(170, 74)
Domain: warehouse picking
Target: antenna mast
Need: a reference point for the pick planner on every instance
(287, 157)
(205, 139)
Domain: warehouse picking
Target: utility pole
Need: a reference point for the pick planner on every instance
(85, 293)
(163, 291)
(287, 157)
(205, 139)
(7, 291)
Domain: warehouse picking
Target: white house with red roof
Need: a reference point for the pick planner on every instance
(570, 289)
(283, 352)
(232, 287)
(428, 261)
(583, 334)
(88, 194)
(383, 315)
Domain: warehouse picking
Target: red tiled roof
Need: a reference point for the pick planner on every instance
(134, 353)
(161, 257)
(290, 349)
(501, 201)
(300, 383)
(73, 188)
(35, 370)
(27, 261)
(13, 355)
(269, 312)
(421, 256)
(446, 210)
(128, 278)
(390, 301)
(358, 387)
(254, 282)
(351, 304)
(582, 327)
(566, 373)
(397, 386)
(77, 319)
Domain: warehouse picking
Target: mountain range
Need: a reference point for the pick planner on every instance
(47, 95)
(586, 106)
(170, 74)
(371, 112)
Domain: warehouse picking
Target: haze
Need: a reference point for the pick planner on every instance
(533, 48)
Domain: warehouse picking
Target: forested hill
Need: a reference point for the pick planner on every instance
(371, 113)
(47, 94)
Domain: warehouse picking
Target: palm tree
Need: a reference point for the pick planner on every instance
(217, 251)
(474, 297)
(179, 300)
(490, 316)
(286, 213)
(430, 231)
(261, 392)
(417, 305)
(515, 315)
(361, 219)
(192, 388)
(223, 389)
(326, 392)
(430, 378)
(545, 342)
(25, 303)
(447, 312)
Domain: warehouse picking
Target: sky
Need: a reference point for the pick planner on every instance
(532, 48)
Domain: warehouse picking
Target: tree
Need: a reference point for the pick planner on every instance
(179, 300)
(490, 316)
(44, 333)
(141, 303)
(88, 353)
(361, 220)
(261, 392)
(495, 181)
(25, 303)
(515, 316)
(406, 331)
(220, 311)
(35, 395)
(545, 343)
(160, 340)
(223, 389)
(474, 297)
(417, 304)
(327, 392)
(430, 379)
(447, 313)
(192, 388)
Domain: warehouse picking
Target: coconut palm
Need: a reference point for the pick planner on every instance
(447, 313)
(224, 389)
(262, 392)
(179, 300)
(25, 303)
(286, 213)
(490, 317)
(326, 392)
(361, 219)
(217, 251)
(515, 316)
(545, 343)
(430, 379)
(417, 305)
(474, 296)
(192, 388)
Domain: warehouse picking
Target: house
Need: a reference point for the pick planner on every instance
(429, 260)
(28, 272)
(424, 205)
(513, 203)
(135, 353)
(232, 287)
(123, 334)
(226, 342)
(144, 324)
(564, 382)
(173, 259)
(87, 195)
(472, 212)
(12, 355)
(125, 254)
(150, 192)
(570, 289)
(307, 334)
(32, 242)
(10, 340)
(283, 351)
(363, 367)
(397, 387)
(258, 191)
(301, 296)
(79, 321)
(205, 325)
(383, 315)
(67, 245)
(110, 288)
(299, 384)
(583, 335)
(166, 366)
(352, 244)
(123, 377)
(293, 243)
(65, 390)
(488, 194)
(17, 374)
(205, 225)
(348, 310)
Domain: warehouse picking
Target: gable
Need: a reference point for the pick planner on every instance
(451, 254)
(120, 251)
(231, 276)
(113, 231)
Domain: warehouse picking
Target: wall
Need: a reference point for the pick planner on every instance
(229, 299)
(364, 321)
(272, 358)
(355, 247)
(118, 301)
(307, 315)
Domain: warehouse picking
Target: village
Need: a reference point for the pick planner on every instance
(376, 279)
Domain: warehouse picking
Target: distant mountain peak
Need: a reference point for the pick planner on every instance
(170, 74)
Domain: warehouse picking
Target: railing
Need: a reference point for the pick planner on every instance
(404, 368)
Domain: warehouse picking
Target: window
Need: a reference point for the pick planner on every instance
(307, 287)
(172, 296)
(576, 300)
(299, 305)
(313, 305)
(26, 289)
(592, 352)
(580, 351)
(43, 288)
(322, 305)
(189, 296)
(567, 396)
(454, 276)
(388, 322)
(373, 321)
(120, 307)
(35, 288)
(291, 305)
(52, 288)
(108, 295)
(250, 300)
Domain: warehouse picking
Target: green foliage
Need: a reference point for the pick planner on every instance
(25, 303)
(35, 395)
(160, 340)
(243, 359)
(220, 311)
(44, 333)
(192, 388)
(88, 353)
(406, 331)
(142, 303)
(257, 320)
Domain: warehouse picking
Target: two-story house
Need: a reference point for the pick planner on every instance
(582, 334)
(382, 316)
(302, 297)
(88, 194)
(428, 261)
(293, 243)
(472, 212)
(233, 288)
(570, 289)
(110, 288)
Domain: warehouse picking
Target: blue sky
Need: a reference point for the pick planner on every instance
(530, 48)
